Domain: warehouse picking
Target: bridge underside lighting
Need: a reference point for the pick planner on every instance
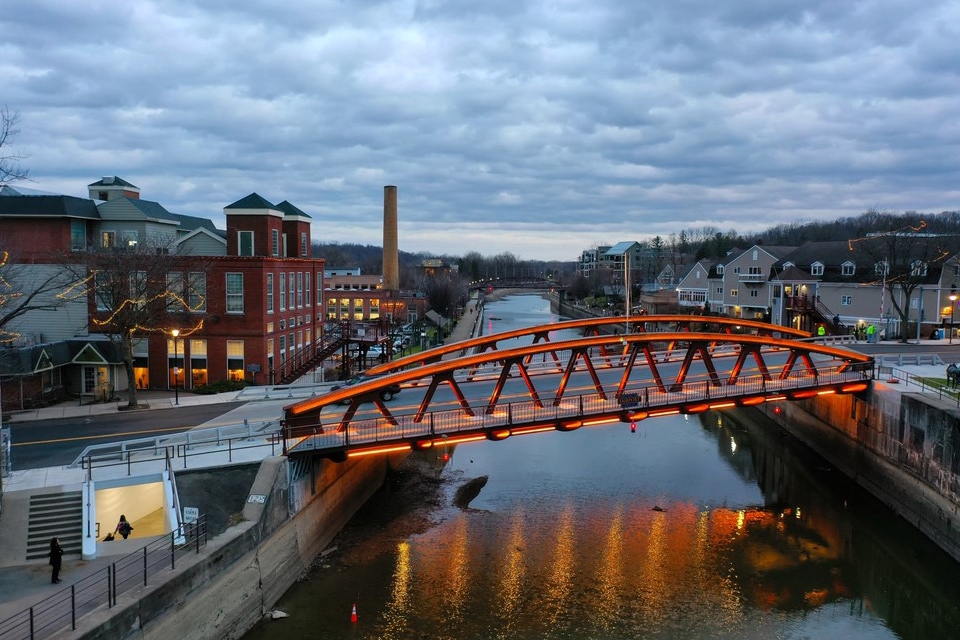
(660, 414)
(376, 450)
(599, 421)
(638, 416)
(569, 426)
(802, 394)
(826, 392)
(723, 405)
(854, 388)
(498, 434)
(422, 445)
(524, 430)
(752, 401)
(694, 408)
(460, 440)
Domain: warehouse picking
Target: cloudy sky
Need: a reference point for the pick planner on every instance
(539, 128)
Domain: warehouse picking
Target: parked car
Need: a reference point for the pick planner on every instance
(385, 394)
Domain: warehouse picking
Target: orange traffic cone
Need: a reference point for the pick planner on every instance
(353, 614)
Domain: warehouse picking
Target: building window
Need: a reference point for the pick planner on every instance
(130, 239)
(78, 235)
(918, 268)
(881, 268)
(331, 309)
(848, 268)
(177, 302)
(234, 293)
(245, 243)
(306, 292)
(197, 295)
(235, 360)
(108, 239)
(299, 289)
(816, 269)
(269, 293)
(292, 293)
(138, 289)
(754, 271)
(756, 255)
(103, 291)
(319, 287)
(275, 242)
(283, 349)
(283, 292)
(719, 291)
(734, 293)
(303, 244)
(198, 363)
(374, 309)
(720, 269)
(753, 293)
(358, 309)
(846, 301)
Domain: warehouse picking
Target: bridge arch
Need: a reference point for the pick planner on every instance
(571, 383)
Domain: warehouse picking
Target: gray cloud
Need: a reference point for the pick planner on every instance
(536, 128)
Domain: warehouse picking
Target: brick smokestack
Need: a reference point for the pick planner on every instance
(391, 252)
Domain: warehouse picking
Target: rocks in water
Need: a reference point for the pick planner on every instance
(276, 614)
(468, 491)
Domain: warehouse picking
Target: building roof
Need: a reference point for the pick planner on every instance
(621, 248)
(48, 207)
(112, 181)
(252, 201)
(290, 209)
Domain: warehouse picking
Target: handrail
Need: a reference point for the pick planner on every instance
(62, 609)
(158, 444)
(896, 375)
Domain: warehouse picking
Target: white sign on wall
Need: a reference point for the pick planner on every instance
(191, 514)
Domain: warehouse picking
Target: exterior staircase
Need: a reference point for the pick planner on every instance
(54, 515)
(302, 363)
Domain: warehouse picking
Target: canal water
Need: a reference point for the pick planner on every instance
(714, 526)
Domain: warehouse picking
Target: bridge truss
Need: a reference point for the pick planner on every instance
(497, 392)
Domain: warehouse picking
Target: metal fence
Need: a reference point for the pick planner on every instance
(62, 609)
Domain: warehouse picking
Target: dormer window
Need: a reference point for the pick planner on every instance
(848, 268)
(881, 268)
(787, 265)
(918, 268)
(720, 269)
(816, 269)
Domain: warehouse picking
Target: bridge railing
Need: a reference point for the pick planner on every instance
(584, 406)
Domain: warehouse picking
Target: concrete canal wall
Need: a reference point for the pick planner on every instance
(294, 510)
(900, 447)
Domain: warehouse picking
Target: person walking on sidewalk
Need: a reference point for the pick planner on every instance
(56, 559)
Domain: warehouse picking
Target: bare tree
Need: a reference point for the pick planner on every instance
(443, 291)
(10, 169)
(142, 289)
(28, 288)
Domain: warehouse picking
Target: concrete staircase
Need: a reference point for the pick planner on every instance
(54, 514)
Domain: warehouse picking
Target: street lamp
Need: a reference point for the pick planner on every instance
(423, 339)
(953, 305)
(176, 370)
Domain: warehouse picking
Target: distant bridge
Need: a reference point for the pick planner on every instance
(493, 392)
(515, 282)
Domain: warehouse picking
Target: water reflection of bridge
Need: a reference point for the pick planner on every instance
(494, 389)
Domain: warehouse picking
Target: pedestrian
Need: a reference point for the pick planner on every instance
(872, 333)
(56, 559)
(123, 527)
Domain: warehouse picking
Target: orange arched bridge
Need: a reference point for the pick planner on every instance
(565, 376)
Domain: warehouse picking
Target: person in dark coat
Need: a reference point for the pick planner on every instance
(56, 559)
(123, 527)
